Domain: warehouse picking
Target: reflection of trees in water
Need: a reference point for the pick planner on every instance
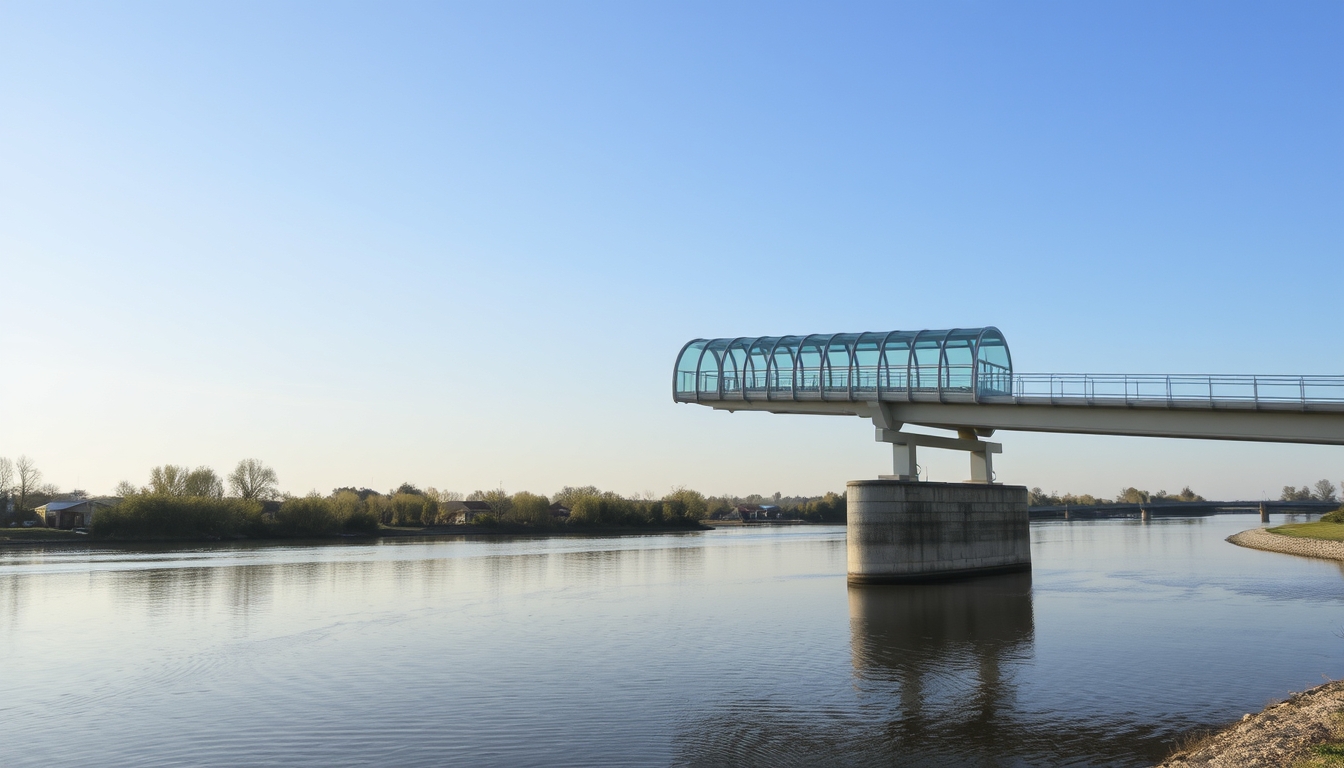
(935, 668)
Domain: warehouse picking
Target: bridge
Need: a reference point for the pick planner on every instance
(1150, 509)
(963, 380)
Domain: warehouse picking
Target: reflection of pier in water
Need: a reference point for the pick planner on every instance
(938, 670)
(945, 646)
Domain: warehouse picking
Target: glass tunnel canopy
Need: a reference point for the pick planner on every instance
(959, 364)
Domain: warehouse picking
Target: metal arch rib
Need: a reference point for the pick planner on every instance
(824, 366)
(909, 362)
(748, 362)
(975, 366)
(882, 363)
(797, 357)
(942, 361)
(770, 363)
(854, 360)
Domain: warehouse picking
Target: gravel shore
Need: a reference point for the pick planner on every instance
(1259, 538)
(1279, 736)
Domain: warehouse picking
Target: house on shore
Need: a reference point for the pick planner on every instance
(72, 514)
(559, 512)
(759, 512)
(465, 512)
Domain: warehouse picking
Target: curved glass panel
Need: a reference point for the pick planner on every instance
(735, 365)
(709, 372)
(838, 359)
(684, 380)
(995, 367)
(755, 381)
(807, 372)
(896, 361)
(959, 360)
(926, 360)
(781, 366)
(867, 354)
(961, 364)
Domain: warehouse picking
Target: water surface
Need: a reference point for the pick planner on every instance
(728, 647)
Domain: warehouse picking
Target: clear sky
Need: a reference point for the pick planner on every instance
(461, 244)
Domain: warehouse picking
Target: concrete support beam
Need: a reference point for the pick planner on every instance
(904, 444)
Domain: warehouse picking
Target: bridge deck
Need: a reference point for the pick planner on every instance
(1307, 409)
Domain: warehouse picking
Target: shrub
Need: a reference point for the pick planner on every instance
(530, 509)
(308, 516)
(157, 515)
(1333, 517)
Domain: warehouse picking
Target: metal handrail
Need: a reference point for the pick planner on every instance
(1178, 388)
(862, 382)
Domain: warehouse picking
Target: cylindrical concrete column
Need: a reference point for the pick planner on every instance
(904, 531)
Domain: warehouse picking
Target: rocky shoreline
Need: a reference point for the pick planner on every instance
(1260, 538)
(1281, 735)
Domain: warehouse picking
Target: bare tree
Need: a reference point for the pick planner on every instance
(125, 488)
(253, 480)
(29, 477)
(6, 477)
(1324, 490)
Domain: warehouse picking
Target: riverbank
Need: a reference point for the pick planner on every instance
(1303, 732)
(44, 536)
(1270, 541)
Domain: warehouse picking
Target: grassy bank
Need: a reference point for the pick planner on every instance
(1318, 530)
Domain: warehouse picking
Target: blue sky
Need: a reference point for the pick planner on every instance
(460, 244)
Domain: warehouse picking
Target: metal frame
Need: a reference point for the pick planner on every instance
(1176, 391)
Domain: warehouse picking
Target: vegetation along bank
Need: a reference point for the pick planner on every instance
(1323, 538)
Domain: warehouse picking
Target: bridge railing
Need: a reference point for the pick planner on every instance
(1185, 389)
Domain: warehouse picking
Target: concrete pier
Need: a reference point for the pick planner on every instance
(902, 531)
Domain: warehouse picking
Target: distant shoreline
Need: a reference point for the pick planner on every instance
(34, 537)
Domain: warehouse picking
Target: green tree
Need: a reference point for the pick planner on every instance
(499, 500)
(569, 495)
(1133, 495)
(1189, 495)
(1295, 494)
(310, 515)
(410, 509)
(530, 509)
(684, 502)
(202, 481)
(168, 480)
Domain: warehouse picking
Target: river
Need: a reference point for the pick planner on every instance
(726, 647)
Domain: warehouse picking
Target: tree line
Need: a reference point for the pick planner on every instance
(1038, 498)
(181, 501)
(1323, 490)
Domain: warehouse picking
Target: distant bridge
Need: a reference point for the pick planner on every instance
(1181, 509)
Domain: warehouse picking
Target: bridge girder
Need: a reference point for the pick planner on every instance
(1267, 426)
